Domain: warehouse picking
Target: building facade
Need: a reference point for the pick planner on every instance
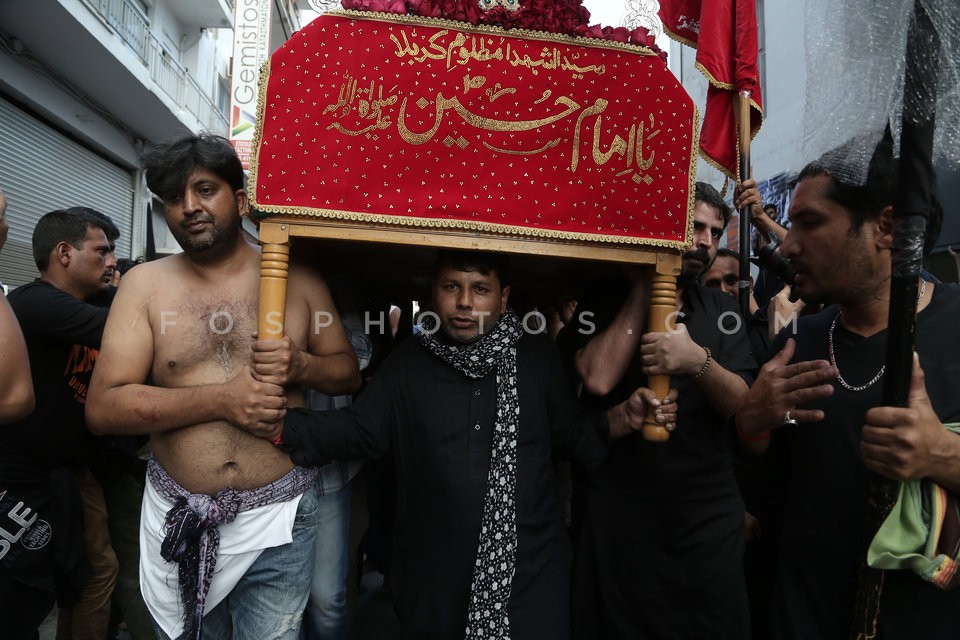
(777, 153)
(85, 84)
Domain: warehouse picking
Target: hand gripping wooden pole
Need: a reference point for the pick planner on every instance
(663, 313)
(274, 270)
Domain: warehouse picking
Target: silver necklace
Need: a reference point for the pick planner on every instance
(833, 359)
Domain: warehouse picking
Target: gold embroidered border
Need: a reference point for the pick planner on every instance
(262, 83)
(398, 18)
(465, 225)
(692, 182)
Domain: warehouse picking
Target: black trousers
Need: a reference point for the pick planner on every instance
(22, 609)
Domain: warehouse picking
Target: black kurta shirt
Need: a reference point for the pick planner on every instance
(439, 424)
(827, 482)
(661, 548)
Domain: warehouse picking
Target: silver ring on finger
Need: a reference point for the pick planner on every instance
(788, 419)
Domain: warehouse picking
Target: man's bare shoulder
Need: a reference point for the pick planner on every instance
(307, 284)
(304, 275)
(142, 275)
(165, 265)
(149, 276)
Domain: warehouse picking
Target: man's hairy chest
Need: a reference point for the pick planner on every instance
(211, 334)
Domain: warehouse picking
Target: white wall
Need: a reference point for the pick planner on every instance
(777, 147)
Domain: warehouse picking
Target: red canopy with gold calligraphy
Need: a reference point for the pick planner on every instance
(445, 125)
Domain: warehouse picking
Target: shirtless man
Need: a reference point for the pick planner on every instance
(16, 399)
(179, 361)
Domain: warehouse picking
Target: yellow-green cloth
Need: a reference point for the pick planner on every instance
(909, 537)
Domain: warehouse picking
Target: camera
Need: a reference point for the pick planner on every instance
(770, 258)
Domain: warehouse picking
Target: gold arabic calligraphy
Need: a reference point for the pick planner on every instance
(371, 106)
(457, 52)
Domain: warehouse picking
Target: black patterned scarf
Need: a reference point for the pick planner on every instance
(496, 561)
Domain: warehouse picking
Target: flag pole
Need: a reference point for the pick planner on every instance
(743, 170)
(916, 182)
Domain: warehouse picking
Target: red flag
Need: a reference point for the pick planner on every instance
(724, 33)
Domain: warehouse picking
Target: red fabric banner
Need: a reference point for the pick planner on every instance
(681, 20)
(440, 124)
(725, 35)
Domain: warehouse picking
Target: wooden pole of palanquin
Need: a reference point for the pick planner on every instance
(274, 270)
(662, 316)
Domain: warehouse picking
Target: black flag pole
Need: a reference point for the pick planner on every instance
(916, 184)
(151, 250)
(743, 141)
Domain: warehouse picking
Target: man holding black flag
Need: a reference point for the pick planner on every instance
(822, 394)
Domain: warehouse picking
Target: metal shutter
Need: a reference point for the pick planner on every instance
(42, 170)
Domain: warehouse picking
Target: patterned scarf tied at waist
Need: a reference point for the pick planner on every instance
(493, 570)
(192, 534)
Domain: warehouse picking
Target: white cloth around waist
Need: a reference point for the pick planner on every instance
(241, 543)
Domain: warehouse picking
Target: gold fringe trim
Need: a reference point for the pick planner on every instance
(262, 83)
(716, 165)
(719, 167)
(678, 38)
(463, 225)
(692, 182)
(713, 162)
(729, 87)
(714, 81)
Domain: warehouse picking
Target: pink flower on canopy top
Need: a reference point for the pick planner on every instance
(383, 6)
(462, 10)
(500, 17)
(638, 36)
(568, 17)
(591, 31)
(617, 34)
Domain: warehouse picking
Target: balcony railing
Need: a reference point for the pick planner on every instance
(174, 80)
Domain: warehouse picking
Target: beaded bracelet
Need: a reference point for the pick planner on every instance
(706, 365)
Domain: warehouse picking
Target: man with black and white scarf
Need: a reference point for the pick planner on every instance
(474, 411)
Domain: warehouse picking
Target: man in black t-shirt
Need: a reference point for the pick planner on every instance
(822, 393)
(660, 539)
(43, 472)
(724, 274)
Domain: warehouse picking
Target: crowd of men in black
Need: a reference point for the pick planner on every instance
(522, 499)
